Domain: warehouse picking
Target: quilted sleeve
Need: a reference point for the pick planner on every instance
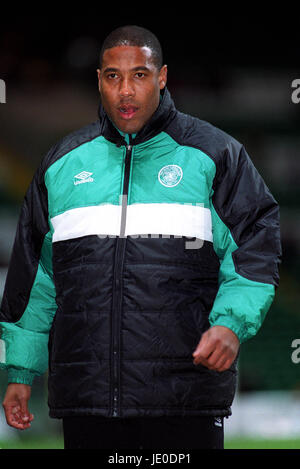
(246, 238)
(28, 304)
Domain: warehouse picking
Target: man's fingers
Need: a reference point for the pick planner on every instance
(15, 405)
(13, 417)
(24, 411)
(26, 416)
(204, 358)
(204, 348)
(220, 365)
(17, 416)
(217, 349)
(225, 366)
(215, 358)
(207, 353)
(16, 409)
(17, 422)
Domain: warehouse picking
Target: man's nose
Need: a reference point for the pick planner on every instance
(126, 88)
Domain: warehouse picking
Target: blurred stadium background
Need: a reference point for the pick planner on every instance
(232, 72)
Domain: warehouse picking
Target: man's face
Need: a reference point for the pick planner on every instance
(129, 85)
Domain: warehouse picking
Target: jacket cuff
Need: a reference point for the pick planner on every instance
(20, 376)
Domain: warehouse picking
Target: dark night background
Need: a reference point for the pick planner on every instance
(233, 71)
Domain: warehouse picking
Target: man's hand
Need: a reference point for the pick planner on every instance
(217, 348)
(15, 405)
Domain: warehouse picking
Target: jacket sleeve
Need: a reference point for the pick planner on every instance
(28, 304)
(246, 238)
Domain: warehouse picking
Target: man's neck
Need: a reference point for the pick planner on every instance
(126, 136)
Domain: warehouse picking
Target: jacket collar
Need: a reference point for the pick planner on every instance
(159, 121)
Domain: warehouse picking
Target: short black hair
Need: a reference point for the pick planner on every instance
(132, 35)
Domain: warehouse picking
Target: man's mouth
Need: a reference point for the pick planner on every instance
(127, 111)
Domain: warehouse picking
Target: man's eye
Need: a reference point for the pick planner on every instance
(112, 75)
(140, 74)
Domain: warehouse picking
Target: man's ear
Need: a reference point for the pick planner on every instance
(99, 75)
(163, 73)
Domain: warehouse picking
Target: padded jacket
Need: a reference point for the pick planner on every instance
(126, 251)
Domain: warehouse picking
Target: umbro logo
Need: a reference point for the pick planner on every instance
(83, 177)
(218, 422)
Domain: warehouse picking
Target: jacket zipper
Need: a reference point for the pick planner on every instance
(118, 272)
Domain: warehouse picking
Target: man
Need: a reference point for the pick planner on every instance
(147, 250)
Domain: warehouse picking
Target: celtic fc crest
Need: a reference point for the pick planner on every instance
(170, 175)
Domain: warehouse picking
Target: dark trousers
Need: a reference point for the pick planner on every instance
(143, 433)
